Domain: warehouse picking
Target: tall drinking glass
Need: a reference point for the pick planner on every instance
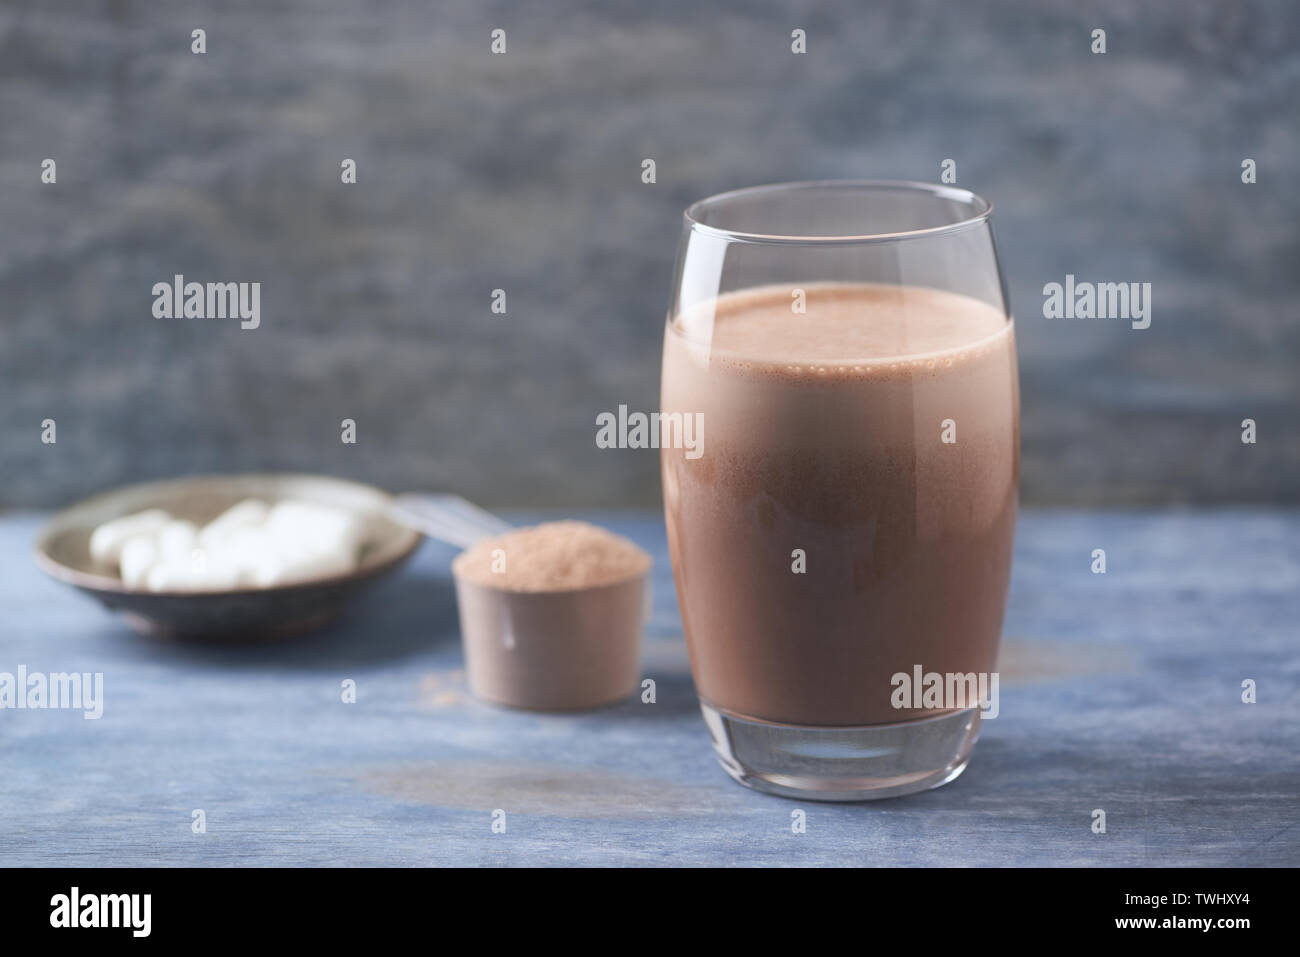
(841, 526)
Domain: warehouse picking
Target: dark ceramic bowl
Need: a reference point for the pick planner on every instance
(241, 615)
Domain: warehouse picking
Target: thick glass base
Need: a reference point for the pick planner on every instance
(843, 764)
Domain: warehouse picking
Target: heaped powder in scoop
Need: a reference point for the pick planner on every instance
(553, 556)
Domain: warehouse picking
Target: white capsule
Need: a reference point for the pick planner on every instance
(176, 540)
(214, 577)
(244, 551)
(139, 554)
(265, 570)
(107, 540)
(301, 567)
(188, 574)
(220, 571)
(169, 576)
(300, 526)
(246, 514)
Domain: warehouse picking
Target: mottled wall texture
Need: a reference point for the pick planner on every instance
(523, 172)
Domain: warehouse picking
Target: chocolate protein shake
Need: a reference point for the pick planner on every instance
(852, 514)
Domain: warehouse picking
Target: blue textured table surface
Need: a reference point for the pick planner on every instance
(1119, 691)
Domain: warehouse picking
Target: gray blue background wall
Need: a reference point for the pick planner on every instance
(522, 172)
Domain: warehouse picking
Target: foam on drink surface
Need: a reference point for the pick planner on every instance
(845, 330)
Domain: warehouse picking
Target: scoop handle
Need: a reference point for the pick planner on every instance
(448, 518)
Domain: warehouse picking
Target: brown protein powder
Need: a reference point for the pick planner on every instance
(553, 556)
(551, 616)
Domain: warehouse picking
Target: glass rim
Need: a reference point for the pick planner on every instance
(981, 210)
